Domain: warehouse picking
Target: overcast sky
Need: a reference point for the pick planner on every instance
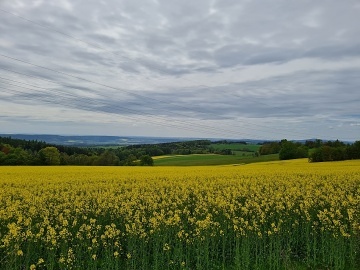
(205, 68)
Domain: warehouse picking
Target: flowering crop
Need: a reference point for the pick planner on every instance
(279, 215)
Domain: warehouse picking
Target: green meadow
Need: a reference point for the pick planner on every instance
(210, 159)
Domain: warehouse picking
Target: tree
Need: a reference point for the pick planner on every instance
(146, 160)
(2, 157)
(130, 160)
(64, 159)
(353, 151)
(290, 150)
(5, 148)
(270, 148)
(49, 156)
(108, 158)
(20, 156)
(316, 156)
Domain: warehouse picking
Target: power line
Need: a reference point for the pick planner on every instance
(70, 104)
(174, 123)
(103, 85)
(63, 73)
(129, 92)
(200, 127)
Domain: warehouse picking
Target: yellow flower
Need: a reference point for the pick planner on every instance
(20, 253)
(92, 220)
(166, 247)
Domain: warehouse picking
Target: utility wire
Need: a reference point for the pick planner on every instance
(70, 103)
(102, 102)
(174, 123)
(173, 113)
(126, 57)
(100, 84)
(77, 106)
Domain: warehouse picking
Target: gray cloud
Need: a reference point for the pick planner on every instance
(269, 66)
(330, 52)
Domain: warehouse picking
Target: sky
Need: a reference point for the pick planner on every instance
(206, 69)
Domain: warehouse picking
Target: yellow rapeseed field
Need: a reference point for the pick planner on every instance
(275, 215)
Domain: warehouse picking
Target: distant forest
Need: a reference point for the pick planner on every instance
(33, 152)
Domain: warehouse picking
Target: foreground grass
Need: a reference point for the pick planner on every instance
(274, 215)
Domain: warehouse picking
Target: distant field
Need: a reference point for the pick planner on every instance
(209, 159)
(236, 146)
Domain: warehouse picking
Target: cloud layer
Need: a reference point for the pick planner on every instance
(207, 68)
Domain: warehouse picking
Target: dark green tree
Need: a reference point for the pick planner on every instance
(146, 160)
(49, 156)
(353, 151)
(270, 148)
(328, 153)
(290, 150)
(2, 157)
(108, 158)
(130, 160)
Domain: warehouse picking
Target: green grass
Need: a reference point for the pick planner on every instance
(236, 146)
(239, 156)
(209, 159)
(243, 153)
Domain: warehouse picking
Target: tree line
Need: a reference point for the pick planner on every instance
(336, 152)
(315, 150)
(33, 152)
(25, 152)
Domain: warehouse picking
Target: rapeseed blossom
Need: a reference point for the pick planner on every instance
(195, 217)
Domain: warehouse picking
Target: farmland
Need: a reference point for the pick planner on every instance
(273, 215)
(210, 159)
(241, 154)
(236, 146)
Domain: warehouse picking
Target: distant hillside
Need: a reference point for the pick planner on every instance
(87, 141)
(34, 152)
(93, 150)
(94, 140)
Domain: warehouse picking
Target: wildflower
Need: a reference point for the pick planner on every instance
(166, 247)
